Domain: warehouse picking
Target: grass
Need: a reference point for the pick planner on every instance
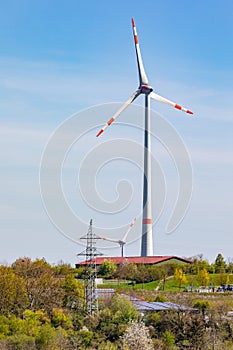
(170, 284)
(148, 286)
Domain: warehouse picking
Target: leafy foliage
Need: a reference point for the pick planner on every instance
(180, 277)
(73, 297)
(42, 309)
(203, 277)
(13, 296)
(107, 269)
(168, 338)
(220, 264)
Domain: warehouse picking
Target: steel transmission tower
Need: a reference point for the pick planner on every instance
(90, 253)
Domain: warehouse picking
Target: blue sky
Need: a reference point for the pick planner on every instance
(60, 57)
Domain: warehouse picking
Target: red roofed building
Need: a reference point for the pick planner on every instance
(146, 260)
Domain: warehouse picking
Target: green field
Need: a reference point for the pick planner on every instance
(170, 284)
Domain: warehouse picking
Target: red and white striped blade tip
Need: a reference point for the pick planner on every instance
(133, 23)
(106, 125)
(132, 223)
(183, 109)
(99, 133)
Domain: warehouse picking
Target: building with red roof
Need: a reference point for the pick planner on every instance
(146, 260)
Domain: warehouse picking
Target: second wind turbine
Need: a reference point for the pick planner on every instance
(145, 89)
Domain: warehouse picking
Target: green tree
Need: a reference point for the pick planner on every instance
(154, 272)
(202, 305)
(107, 269)
(203, 277)
(188, 328)
(20, 342)
(54, 339)
(220, 264)
(107, 346)
(110, 322)
(32, 322)
(163, 274)
(82, 339)
(107, 327)
(4, 326)
(63, 269)
(13, 296)
(230, 265)
(180, 277)
(60, 318)
(125, 309)
(46, 337)
(73, 293)
(199, 263)
(44, 292)
(142, 275)
(168, 338)
(27, 268)
(43, 288)
(126, 271)
(222, 278)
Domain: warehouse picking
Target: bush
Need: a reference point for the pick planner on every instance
(107, 346)
(168, 338)
(161, 298)
(20, 342)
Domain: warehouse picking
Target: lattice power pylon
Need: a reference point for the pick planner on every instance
(91, 301)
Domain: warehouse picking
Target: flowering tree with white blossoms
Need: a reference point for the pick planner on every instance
(137, 337)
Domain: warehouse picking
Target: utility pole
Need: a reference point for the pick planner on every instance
(90, 253)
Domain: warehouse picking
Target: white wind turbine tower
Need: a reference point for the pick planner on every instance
(122, 241)
(147, 90)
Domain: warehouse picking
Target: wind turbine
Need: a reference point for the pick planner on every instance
(145, 89)
(122, 241)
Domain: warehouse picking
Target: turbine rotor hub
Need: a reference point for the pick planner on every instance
(146, 89)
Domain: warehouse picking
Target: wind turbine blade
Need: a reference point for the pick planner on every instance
(141, 71)
(128, 231)
(109, 239)
(117, 240)
(123, 107)
(173, 104)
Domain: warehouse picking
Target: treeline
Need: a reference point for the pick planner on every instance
(36, 285)
(42, 308)
(38, 303)
(141, 273)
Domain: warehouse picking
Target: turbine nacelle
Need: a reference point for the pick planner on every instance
(145, 89)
